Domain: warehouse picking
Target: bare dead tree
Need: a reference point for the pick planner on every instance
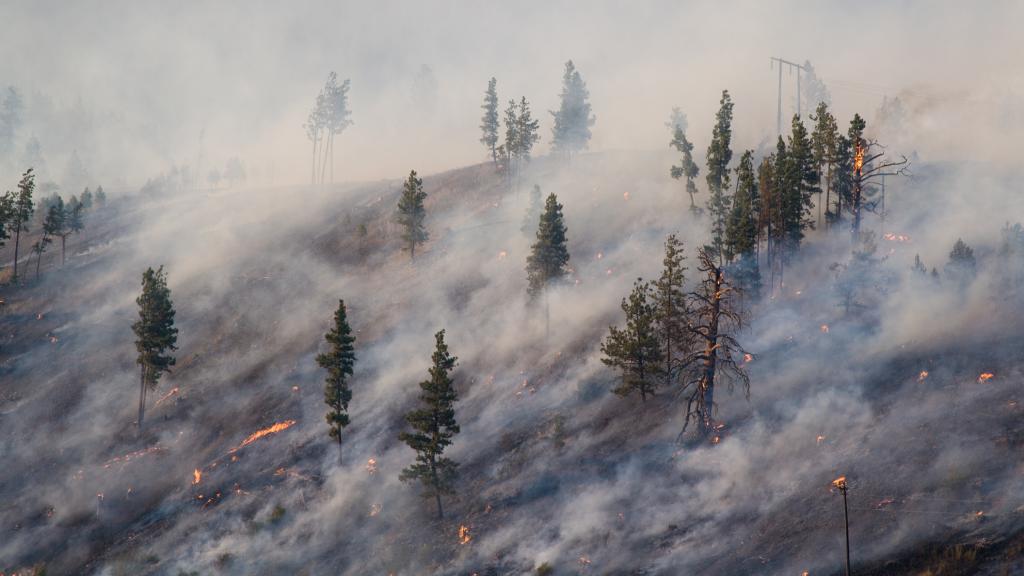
(870, 165)
(716, 317)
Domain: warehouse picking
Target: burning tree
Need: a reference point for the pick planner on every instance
(433, 428)
(411, 213)
(870, 165)
(636, 350)
(339, 361)
(715, 317)
(155, 333)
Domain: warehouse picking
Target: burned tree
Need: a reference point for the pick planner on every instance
(155, 333)
(635, 350)
(433, 428)
(339, 361)
(715, 317)
(870, 165)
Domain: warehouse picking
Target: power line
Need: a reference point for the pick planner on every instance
(799, 69)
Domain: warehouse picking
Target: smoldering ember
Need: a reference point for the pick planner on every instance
(534, 288)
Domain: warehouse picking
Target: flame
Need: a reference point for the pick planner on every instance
(824, 328)
(858, 158)
(625, 196)
(264, 432)
(819, 439)
(922, 376)
(132, 456)
(584, 561)
(600, 255)
(985, 376)
(166, 396)
(371, 466)
(374, 510)
(464, 537)
(748, 358)
(502, 255)
(197, 475)
(716, 439)
(840, 483)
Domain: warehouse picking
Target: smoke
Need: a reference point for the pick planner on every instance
(554, 468)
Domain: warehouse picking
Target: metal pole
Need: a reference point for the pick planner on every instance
(798, 113)
(846, 517)
(779, 118)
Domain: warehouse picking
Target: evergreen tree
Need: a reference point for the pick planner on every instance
(842, 179)
(86, 199)
(155, 333)
(573, 119)
(511, 145)
(635, 351)
(687, 168)
(800, 191)
(715, 317)
(6, 216)
(51, 225)
(742, 228)
(339, 361)
(434, 426)
(527, 128)
(961, 265)
(670, 309)
(22, 211)
(73, 216)
(549, 256)
(718, 157)
(533, 213)
(101, 197)
(489, 122)
(824, 141)
(411, 213)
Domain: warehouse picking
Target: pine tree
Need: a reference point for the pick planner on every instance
(533, 213)
(22, 211)
(687, 168)
(527, 128)
(742, 228)
(6, 216)
(962, 264)
(671, 309)
(339, 361)
(802, 187)
(53, 226)
(635, 351)
(824, 140)
(549, 256)
(510, 147)
(715, 317)
(573, 119)
(434, 427)
(155, 333)
(86, 199)
(718, 157)
(842, 179)
(411, 213)
(101, 197)
(489, 122)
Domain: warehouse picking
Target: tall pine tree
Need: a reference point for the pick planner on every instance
(718, 157)
(23, 208)
(687, 168)
(573, 119)
(489, 122)
(742, 228)
(339, 361)
(411, 213)
(824, 140)
(549, 257)
(434, 426)
(671, 309)
(155, 334)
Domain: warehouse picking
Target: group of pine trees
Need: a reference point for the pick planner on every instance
(329, 117)
(56, 218)
(570, 132)
(675, 337)
(772, 200)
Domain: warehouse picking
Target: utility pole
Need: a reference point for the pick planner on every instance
(792, 66)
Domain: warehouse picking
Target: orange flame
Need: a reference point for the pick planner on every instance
(824, 328)
(896, 237)
(197, 475)
(374, 509)
(840, 483)
(820, 439)
(748, 357)
(858, 159)
(922, 376)
(502, 255)
(464, 537)
(166, 396)
(371, 466)
(625, 196)
(264, 432)
(985, 376)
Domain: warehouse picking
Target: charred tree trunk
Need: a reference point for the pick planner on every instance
(63, 246)
(707, 383)
(17, 242)
(142, 394)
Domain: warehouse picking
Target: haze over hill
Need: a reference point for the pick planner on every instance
(875, 354)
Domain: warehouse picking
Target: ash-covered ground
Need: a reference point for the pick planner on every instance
(554, 468)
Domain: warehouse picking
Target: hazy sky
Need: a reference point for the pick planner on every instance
(248, 72)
